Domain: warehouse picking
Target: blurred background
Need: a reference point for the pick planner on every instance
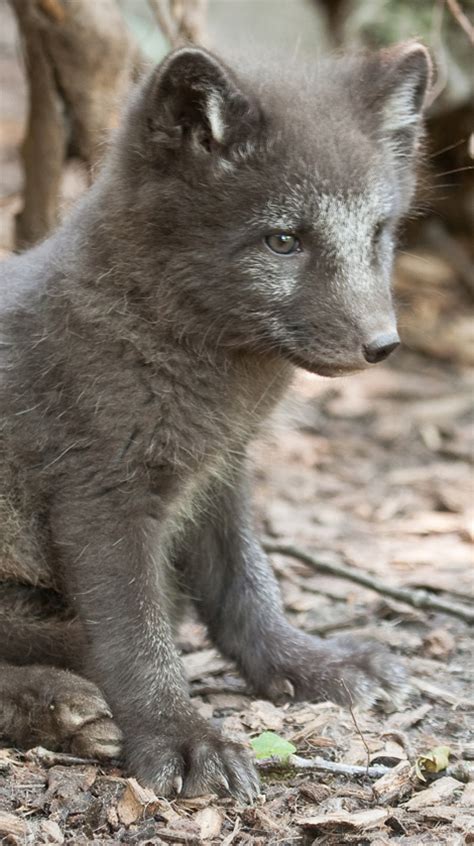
(373, 471)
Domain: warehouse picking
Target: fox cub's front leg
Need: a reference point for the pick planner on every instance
(239, 599)
(120, 589)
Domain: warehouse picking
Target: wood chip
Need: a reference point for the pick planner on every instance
(263, 716)
(438, 694)
(442, 789)
(12, 826)
(206, 662)
(136, 802)
(439, 643)
(394, 785)
(407, 719)
(355, 821)
(210, 822)
(50, 832)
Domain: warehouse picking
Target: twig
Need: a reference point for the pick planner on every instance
(416, 598)
(461, 18)
(51, 759)
(322, 765)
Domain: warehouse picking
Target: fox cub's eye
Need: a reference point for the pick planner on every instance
(283, 243)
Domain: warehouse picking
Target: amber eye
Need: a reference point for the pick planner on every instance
(283, 243)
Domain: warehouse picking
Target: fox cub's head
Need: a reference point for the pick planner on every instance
(266, 202)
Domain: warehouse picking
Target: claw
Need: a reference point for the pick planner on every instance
(178, 784)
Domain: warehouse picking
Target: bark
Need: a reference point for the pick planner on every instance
(79, 60)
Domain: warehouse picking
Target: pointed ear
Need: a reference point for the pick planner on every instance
(194, 100)
(403, 86)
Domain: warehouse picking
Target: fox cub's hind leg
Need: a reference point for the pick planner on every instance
(45, 706)
(41, 702)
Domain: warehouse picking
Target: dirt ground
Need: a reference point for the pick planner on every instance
(373, 472)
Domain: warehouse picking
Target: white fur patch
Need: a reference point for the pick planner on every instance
(399, 111)
(214, 116)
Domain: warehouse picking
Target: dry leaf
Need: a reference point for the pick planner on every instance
(434, 761)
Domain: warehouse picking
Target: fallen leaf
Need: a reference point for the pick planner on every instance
(434, 761)
(271, 745)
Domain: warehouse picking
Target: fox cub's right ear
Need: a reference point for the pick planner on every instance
(402, 84)
(195, 101)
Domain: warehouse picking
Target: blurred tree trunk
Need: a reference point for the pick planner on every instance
(79, 60)
(181, 21)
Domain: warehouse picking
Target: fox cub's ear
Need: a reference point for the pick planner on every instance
(194, 99)
(403, 86)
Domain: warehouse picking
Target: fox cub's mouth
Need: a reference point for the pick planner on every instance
(323, 368)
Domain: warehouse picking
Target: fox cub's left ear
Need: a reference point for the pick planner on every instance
(196, 102)
(405, 78)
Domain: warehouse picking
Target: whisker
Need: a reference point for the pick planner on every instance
(456, 170)
(413, 255)
(449, 147)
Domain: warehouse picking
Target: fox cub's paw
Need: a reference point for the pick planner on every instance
(190, 758)
(61, 710)
(341, 669)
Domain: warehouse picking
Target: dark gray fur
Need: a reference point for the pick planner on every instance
(143, 345)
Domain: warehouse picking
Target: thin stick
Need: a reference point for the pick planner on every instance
(416, 598)
(322, 765)
(461, 18)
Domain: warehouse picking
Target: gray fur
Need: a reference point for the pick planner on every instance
(144, 344)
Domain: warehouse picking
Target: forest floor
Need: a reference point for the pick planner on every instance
(373, 472)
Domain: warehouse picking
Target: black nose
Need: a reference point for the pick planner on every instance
(380, 347)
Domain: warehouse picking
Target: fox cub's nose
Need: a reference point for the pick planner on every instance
(380, 347)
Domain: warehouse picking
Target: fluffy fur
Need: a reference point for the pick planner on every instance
(143, 345)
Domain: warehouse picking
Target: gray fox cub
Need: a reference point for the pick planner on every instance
(243, 223)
